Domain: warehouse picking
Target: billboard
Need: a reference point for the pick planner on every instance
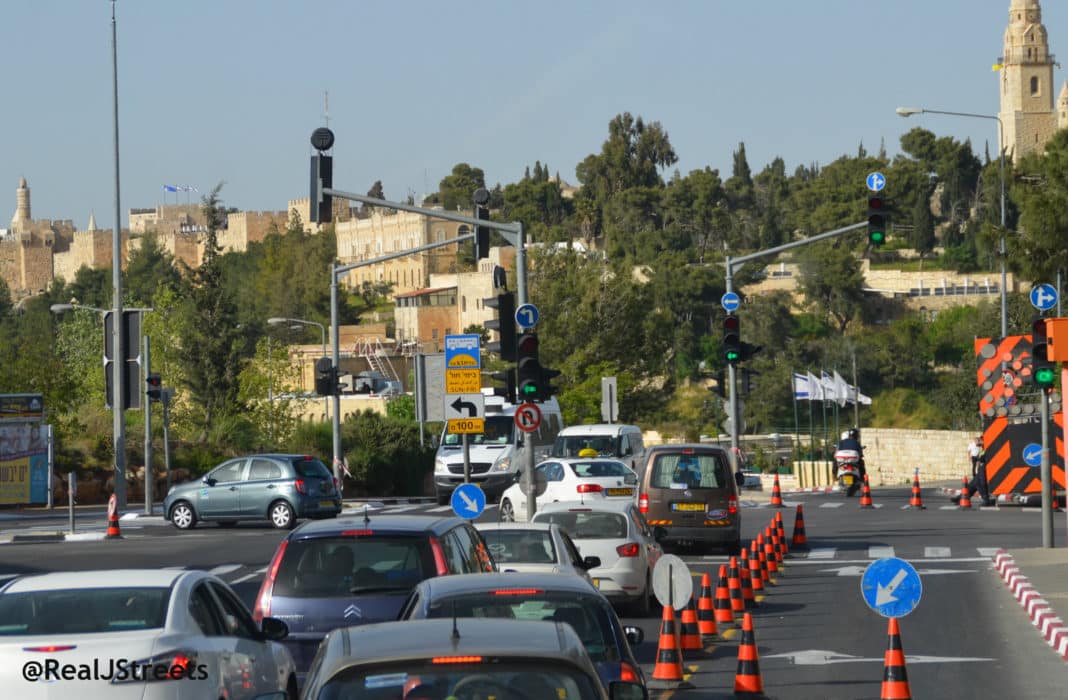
(23, 463)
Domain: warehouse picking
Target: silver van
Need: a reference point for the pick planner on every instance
(622, 442)
(497, 453)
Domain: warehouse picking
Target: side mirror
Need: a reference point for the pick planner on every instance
(590, 562)
(208, 480)
(634, 635)
(625, 690)
(739, 478)
(274, 629)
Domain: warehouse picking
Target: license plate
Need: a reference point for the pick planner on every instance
(847, 480)
(620, 492)
(596, 583)
(692, 507)
(326, 504)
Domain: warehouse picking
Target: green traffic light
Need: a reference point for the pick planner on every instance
(528, 390)
(1044, 376)
(877, 237)
(733, 356)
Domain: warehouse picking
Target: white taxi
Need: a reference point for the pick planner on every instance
(587, 480)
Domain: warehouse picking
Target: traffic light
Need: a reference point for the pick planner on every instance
(482, 197)
(749, 350)
(325, 377)
(732, 340)
(504, 324)
(528, 368)
(320, 206)
(876, 220)
(545, 387)
(1042, 369)
(507, 376)
(153, 387)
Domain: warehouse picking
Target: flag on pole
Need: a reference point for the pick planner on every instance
(846, 393)
(802, 391)
(830, 390)
(815, 388)
(170, 188)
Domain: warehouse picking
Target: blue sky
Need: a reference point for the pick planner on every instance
(229, 90)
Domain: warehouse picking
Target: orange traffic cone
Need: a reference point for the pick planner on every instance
(895, 675)
(747, 583)
(757, 548)
(691, 634)
(756, 578)
(747, 680)
(768, 552)
(668, 668)
(782, 533)
(916, 501)
(776, 547)
(722, 606)
(799, 539)
(776, 494)
(965, 496)
(113, 519)
(706, 611)
(734, 587)
(865, 494)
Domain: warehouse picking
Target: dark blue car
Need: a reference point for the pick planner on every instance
(359, 570)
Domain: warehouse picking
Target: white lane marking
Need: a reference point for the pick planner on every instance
(941, 552)
(439, 509)
(988, 551)
(399, 509)
(823, 553)
(868, 561)
(224, 569)
(880, 552)
(831, 505)
(254, 574)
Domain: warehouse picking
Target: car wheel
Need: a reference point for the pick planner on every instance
(444, 497)
(507, 512)
(282, 516)
(291, 689)
(183, 516)
(227, 523)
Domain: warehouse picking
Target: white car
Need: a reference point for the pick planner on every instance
(586, 480)
(616, 533)
(535, 548)
(145, 634)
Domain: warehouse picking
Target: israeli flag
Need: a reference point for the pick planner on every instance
(170, 188)
(801, 388)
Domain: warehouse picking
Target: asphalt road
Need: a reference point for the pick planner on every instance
(816, 636)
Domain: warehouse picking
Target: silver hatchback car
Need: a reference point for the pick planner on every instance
(280, 488)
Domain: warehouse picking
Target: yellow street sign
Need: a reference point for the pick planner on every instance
(463, 381)
(460, 426)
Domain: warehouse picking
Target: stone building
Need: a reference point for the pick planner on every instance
(1027, 116)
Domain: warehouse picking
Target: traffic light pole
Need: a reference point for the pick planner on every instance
(149, 480)
(734, 263)
(1045, 472)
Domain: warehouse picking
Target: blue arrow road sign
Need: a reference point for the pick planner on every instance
(1032, 454)
(730, 301)
(876, 182)
(526, 316)
(891, 587)
(1043, 296)
(468, 501)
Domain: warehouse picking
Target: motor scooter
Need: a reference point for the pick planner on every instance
(847, 471)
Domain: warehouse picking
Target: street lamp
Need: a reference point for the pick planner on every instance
(278, 321)
(908, 112)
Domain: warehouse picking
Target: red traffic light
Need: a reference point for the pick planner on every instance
(875, 202)
(730, 324)
(527, 345)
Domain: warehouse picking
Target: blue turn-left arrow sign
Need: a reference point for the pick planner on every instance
(468, 501)
(891, 587)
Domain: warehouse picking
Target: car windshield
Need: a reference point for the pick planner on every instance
(572, 445)
(587, 615)
(497, 431)
(587, 525)
(332, 567)
(309, 466)
(83, 610)
(688, 471)
(601, 467)
(520, 546)
(481, 677)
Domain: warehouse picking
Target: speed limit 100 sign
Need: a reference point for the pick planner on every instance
(528, 417)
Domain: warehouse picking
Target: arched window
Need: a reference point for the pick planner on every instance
(1034, 85)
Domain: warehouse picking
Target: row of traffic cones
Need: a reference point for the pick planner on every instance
(734, 596)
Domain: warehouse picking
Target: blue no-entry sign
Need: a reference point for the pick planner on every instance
(468, 501)
(891, 587)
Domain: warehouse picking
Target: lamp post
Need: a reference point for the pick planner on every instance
(278, 321)
(908, 112)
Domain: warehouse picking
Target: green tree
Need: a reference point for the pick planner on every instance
(1038, 250)
(149, 267)
(832, 281)
(457, 189)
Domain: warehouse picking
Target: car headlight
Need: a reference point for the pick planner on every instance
(502, 463)
(440, 466)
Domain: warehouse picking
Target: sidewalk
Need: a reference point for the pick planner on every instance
(1038, 579)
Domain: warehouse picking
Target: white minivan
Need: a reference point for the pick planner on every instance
(622, 442)
(497, 455)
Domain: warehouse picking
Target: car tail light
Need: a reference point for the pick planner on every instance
(262, 608)
(732, 504)
(439, 557)
(630, 549)
(299, 485)
(456, 660)
(589, 488)
(627, 673)
(357, 533)
(687, 450)
(167, 666)
(51, 648)
(643, 503)
(517, 591)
